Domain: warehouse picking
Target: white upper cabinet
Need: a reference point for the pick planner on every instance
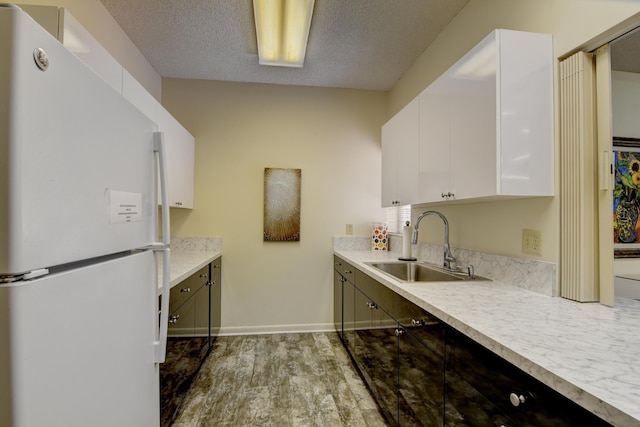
(136, 94)
(400, 142)
(180, 160)
(502, 117)
(485, 126)
(179, 142)
(435, 170)
(63, 26)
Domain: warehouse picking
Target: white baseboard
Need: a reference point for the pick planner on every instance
(275, 329)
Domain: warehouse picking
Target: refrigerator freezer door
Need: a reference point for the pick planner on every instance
(77, 347)
(77, 167)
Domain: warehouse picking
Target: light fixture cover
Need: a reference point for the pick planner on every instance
(282, 30)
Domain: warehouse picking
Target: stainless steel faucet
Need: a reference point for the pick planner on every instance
(449, 260)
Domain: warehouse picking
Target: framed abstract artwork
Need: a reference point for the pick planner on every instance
(282, 204)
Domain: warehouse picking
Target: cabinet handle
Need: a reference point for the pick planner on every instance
(417, 323)
(348, 272)
(185, 290)
(447, 196)
(217, 266)
(202, 276)
(174, 318)
(372, 305)
(516, 400)
(400, 332)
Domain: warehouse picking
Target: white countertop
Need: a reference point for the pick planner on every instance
(184, 264)
(586, 351)
(188, 255)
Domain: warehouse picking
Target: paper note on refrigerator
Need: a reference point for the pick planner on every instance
(124, 207)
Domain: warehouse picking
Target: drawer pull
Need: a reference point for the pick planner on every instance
(185, 290)
(516, 400)
(202, 276)
(417, 323)
(372, 305)
(174, 318)
(400, 332)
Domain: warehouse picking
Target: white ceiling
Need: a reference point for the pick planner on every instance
(360, 44)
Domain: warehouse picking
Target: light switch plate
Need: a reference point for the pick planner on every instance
(349, 229)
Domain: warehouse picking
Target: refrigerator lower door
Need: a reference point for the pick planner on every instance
(76, 348)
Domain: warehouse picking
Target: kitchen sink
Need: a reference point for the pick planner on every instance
(419, 272)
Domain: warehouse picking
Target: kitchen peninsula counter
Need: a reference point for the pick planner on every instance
(190, 254)
(588, 352)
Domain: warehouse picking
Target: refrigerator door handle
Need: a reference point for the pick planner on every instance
(160, 346)
(160, 148)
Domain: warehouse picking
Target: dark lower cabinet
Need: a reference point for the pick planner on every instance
(194, 322)
(376, 353)
(507, 395)
(420, 383)
(338, 284)
(423, 372)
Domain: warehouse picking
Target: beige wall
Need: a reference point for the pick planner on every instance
(95, 18)
(497, 227)
(333, 135)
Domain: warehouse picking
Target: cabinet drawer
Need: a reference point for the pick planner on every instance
(188, 287)
(379, 294)
(424, 326)
(345, 269)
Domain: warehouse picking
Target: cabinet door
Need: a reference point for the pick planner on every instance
(420, 383)
(434, 167)
(216, 296)
(421, 374)
(526, 119)
(180, 160)
(337, 303)
(474, 370)
(376, 354)
(202, 303)
(400, 144)
(474, 156)
(135, 93)
(348, 315)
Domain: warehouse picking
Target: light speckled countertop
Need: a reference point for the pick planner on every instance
(586, 351)
(188, 255)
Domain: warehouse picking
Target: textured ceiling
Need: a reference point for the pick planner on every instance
(360, 44)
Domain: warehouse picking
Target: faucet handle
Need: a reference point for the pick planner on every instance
(469, 270)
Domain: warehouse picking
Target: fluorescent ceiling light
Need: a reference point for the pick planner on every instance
(282, 29)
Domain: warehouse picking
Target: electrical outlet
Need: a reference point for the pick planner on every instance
(532, 242)
(349, 229)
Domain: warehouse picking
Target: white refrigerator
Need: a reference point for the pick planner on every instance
(81, 332)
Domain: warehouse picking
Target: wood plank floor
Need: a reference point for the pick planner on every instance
(278, 380)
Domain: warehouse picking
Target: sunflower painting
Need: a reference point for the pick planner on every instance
(626, 197)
